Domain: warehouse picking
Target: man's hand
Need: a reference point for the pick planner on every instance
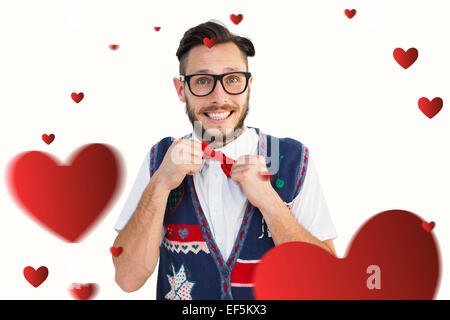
(183, 157)
(249, 172)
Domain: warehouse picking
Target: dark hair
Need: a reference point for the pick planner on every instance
(194, 37)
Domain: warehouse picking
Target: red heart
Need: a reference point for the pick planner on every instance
(77, 97)
(406, 59)
(48, 138)
(390, 257)
(83, 291)
(430, 109)
(157, 28)
(66, 199)
(209, 42)
(350, 13)
(35, 277)
(236, 18)
(428, 226)
(114, 46)
(116, 251)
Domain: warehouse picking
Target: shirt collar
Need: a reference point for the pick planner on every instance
(245, 143)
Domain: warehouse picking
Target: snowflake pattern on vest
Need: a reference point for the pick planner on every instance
(180, 286)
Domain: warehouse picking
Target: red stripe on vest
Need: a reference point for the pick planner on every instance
(242, 272)
(183, 232)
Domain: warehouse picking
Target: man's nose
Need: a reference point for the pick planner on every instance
(219, 95)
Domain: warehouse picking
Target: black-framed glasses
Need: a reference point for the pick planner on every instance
(202, 84)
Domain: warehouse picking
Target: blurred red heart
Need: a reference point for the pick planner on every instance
(406, 59)
(66, 199)
(209, 42)
(83, 291)
(430, 108)
(114, 46)
(236, 18)
(48, 138)
(116, 251)
(391, 257)
(157, 28)
(350, 13)
(77, 97)
(35, 277)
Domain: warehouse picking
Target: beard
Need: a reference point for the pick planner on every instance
(211, 138)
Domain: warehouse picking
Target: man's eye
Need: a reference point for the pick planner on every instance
(203, 81)
(233, 79)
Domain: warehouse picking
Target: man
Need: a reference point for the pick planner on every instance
(206, 220)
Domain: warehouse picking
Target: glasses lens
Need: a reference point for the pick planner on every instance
(201, 84)
(235, 82)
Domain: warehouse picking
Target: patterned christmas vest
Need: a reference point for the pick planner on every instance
(190, 263)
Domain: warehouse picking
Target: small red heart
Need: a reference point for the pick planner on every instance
(428, 226)
(406, 59)
(48, 138)
(77, 97)
(209, 42)
(157, 28)
(350, 13)
(35, 277)
(83, 291)
(114, 46)
(116, 251)
(430, 109)
(236, 18)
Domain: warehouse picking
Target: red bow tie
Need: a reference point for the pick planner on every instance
(226, 163)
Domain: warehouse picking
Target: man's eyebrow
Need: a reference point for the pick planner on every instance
(208, 71)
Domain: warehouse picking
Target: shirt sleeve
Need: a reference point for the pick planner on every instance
(140, 183)
(310, 208)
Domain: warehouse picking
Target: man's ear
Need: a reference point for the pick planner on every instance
(250, 84)
(179, 87)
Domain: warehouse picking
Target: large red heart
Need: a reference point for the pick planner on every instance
(35, 277)
(66, 199)
(430, 108)
(390, 257)
(406, 59)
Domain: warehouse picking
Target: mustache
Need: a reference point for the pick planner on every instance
(214, 108)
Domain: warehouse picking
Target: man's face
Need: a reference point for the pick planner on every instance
(221, 58)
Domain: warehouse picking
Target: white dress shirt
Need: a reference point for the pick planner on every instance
(223, 201)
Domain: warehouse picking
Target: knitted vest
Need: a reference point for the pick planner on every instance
(190, 263)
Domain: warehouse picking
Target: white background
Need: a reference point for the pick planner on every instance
(326, 80)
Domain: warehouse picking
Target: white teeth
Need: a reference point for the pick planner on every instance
(219, 116)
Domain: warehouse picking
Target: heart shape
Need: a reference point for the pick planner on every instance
(114, 46)
(157, 28)
(236, 18)
(209, 42)
(77, 97)
(183, 232)
(390, 257)
(48, 138)
(83, 291)
(430, 108)
(35, 277)
(66, 199)
(116, 251)
(350, 13)
(428, 226)
(406, 59)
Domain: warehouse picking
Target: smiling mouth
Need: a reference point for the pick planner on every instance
(218, 115)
